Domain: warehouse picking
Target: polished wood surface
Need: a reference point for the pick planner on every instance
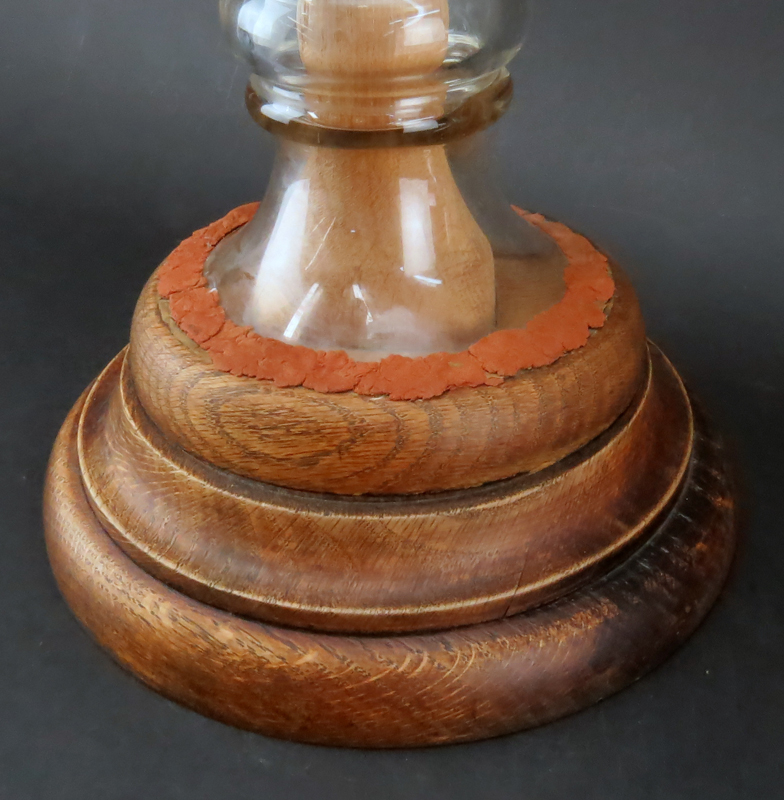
(390, 619)
(358, 571)
(457, 685)
(380, 564)
(349, 444)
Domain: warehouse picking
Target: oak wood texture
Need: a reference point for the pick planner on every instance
(359, 571)
(349, 444)
(380, 564)
(457, 685)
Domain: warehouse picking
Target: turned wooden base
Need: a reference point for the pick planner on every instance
(354, 570)
(655, 569)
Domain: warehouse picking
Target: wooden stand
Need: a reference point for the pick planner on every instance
(513, 553)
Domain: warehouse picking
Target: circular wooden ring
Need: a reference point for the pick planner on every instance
(457, 685)
(350, 444)
(381, 565)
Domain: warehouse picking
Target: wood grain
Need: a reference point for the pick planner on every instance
(380, 565)
(456, 685)
(348, 444)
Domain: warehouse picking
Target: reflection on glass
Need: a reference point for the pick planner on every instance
(379, 251)
(475, 39)
(381, 245)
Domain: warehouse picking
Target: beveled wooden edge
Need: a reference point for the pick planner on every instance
(450, 559)
(459, 685)
(349, 444)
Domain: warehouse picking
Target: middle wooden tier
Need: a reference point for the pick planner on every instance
(382, 564)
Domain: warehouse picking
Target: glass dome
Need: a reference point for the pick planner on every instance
(383, 230)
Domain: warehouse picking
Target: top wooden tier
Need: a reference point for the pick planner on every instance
(350, 444)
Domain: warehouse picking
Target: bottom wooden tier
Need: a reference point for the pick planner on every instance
(462, 684)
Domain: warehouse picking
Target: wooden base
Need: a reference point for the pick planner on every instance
(359, 571)
(409, 689)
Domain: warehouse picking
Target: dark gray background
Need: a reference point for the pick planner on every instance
(654, 126)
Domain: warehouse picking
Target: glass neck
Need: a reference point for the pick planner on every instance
(378, 251)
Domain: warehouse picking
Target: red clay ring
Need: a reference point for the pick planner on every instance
(241, 351)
